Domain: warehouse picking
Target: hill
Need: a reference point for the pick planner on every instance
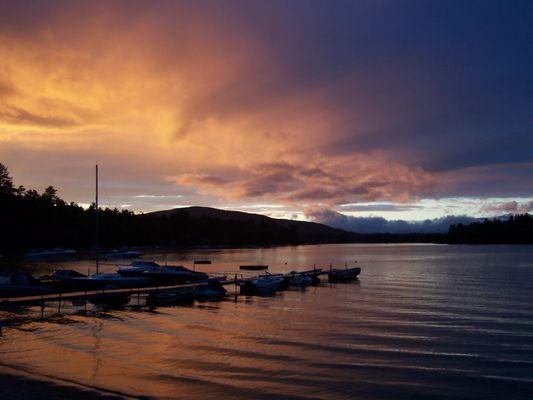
(252, 225)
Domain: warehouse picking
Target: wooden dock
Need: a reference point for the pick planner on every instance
(140, 291)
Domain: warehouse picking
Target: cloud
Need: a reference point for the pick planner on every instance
(508, 207)
(302, 104)
(381, 225)
(329, 181)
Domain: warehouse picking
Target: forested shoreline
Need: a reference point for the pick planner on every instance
(44, 220)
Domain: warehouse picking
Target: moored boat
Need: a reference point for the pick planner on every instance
(50, 254)
(73, 281)
(171, 296)
(123, 254)
(264, 284)
(314, 274)
(158, 274)
(344, 275)
(21, 284)
(300, 280)
(212, 289)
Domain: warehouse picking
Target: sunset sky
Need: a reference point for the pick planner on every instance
(298, 109)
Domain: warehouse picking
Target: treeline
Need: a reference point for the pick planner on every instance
(517, 229)
(30, 220)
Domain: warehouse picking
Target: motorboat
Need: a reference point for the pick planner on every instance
(171, 296)
(70, 280)
(343, 275)
(263, 284)
(314, 274)
(158, 274)
(300, 280)
(137, 268)
(212, 289)
(51, 254)
(21, 284)
(123, 254)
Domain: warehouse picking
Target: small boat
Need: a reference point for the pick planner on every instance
(314, 274)
(253, 267)
(158, 274)
(123, 254)
(21, 284)
(343, 275)
(171, 296)
(264, 284)
(212, 289)
(70, 280)
(300, 280)
(52, 254)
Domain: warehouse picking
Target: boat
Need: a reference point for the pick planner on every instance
(263, 284)
(123, 254)
(212, 289)
(343, 275)
(21, 284)
(73, 281)
(253, 267)
(314, 274)
(51, 254)
(300, 280)
(158, 274)
(171, 296)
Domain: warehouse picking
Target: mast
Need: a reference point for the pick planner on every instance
(97, 227)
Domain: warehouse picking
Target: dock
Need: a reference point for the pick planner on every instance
(139, 291)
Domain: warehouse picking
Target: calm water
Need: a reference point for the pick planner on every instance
(423, 321)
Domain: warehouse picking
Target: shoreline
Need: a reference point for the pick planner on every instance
(23, 385)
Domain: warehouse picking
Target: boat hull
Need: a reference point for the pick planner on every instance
(344, 275)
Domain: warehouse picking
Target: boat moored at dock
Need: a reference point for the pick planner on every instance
(263, 285)
(171, 296)
(157, 274)
(50, 255)
(21, 284)
(343, 275)
(123, 254)
(70, 280)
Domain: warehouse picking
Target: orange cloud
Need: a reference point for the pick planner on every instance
(172, 95)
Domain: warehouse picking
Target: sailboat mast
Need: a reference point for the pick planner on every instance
(97, 227)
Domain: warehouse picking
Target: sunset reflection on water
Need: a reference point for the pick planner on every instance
(423, 321)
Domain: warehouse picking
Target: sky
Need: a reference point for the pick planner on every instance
(350, 111)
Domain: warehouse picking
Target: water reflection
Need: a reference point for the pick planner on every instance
(422, 322)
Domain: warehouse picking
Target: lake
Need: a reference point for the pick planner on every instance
(423, 321)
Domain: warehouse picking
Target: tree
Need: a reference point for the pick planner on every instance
(50, 194)
(6, 181)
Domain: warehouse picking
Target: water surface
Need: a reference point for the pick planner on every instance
(423, 321)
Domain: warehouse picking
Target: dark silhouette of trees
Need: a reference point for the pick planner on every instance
(30, 219)
(6, 182)
(517, 229)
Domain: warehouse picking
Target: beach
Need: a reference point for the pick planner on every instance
(25, 386)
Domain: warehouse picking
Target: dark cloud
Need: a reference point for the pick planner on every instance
(381, 225)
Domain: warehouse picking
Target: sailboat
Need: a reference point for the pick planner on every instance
(74, 281)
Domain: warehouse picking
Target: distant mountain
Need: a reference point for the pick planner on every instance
(206, 225)
(301, 231)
